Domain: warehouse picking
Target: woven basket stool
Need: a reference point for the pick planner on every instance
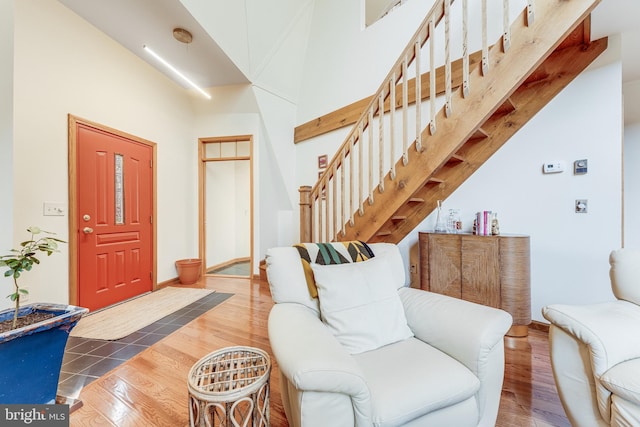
(230, 387)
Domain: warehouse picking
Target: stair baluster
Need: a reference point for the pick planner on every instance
(432, 86)
(392, 125)
(447, 57)
(506, 35)
(381, 141)
(360, 171)
(405, 113)
(370, 126)
(417, 46)
(465, 48)
(485, 43)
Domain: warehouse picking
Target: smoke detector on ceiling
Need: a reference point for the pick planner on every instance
(182, 35)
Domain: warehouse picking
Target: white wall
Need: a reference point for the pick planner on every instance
(569, 251)
(243, 208)
(220, 228)
(631, 91)
(276, 189)
(6, 141)
(64, 65)
(228, 226)
(345, 62)
(632, 185)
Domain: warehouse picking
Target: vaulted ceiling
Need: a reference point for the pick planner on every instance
(233, 42)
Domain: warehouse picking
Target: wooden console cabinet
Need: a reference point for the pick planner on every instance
(488, 270)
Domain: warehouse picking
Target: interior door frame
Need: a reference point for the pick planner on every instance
(73, 122)
(202, 197)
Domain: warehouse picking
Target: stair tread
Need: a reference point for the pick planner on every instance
(507, 107)
(458, 157)
(479, 134)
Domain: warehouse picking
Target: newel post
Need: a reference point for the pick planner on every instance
(305, 213)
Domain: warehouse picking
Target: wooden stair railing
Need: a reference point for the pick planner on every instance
(403, 181)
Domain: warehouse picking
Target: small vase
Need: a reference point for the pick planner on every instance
(441, 225)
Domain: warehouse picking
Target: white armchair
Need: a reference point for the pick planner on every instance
(595, 351)
(448, 372)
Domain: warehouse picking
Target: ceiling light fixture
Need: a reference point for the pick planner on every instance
(176, 72)
(182, 35)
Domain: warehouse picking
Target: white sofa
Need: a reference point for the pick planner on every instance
(595, 351)
(449, 373)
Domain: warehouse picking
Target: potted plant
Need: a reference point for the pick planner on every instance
(32, 337)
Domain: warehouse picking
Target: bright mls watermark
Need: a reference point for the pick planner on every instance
(34, 415)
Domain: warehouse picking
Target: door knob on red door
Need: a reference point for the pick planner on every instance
(87, 230)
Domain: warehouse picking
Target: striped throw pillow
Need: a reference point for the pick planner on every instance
(330, 253)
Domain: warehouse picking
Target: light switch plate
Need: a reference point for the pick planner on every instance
(54, 209)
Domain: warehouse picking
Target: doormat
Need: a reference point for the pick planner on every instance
(120, 320)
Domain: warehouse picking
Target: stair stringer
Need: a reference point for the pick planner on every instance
(530, 46)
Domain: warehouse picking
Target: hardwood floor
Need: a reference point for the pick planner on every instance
(150, 390)
(529, 395)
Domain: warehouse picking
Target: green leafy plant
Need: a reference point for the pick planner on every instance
(21, 260)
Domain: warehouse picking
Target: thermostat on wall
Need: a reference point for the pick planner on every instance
(553, 167)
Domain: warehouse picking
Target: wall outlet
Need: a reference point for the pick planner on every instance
(581, 205)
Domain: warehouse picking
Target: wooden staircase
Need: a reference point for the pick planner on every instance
(553, 75)
(543, 58)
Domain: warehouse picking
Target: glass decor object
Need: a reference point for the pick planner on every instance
(441, 225)
(454, 223)
(495, 225)
(119, 189)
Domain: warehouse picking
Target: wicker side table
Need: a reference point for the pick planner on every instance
(230, 387)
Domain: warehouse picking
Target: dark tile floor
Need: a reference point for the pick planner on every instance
(237, 269)
(87, 359)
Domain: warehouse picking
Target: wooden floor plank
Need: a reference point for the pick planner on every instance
(167, 399)
(90, 417)
(151, 388)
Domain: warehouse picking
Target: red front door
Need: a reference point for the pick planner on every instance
(114, 221)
